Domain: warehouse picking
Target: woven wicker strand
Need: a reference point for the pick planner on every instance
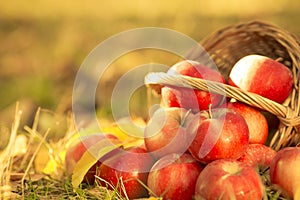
(225, 48)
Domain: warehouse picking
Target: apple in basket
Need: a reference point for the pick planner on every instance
(189, 98)
(165, 132)
(228, 179)
(256, 121)
(258, 156)
(127, 172)
(285, 171)
(221, 134)
(174, 177)
(79, 147)
(262, 75)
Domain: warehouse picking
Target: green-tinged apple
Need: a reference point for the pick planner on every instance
(228, 179)
(285, 170)
(187, 97)
(130, 168)
(222, 134)
(258, 156)
(262, 75)
(165, 132)
(256, 121)
(79, 147)
(174, 177)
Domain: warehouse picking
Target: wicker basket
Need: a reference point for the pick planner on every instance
(225, 48)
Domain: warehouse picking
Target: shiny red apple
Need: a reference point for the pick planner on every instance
(129, 168)
(256, 121)
(165, 132)
(174, 177)
(228, 179)
(222, 134)
(262, 75)
(187, 97)
(285, 170)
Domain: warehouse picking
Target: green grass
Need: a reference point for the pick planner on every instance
(48, 188)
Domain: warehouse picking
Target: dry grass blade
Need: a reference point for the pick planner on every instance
(31, 162)
(6, 157)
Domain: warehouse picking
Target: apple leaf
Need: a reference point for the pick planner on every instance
(89, 158)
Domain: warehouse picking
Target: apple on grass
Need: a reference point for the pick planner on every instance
(79, 147)
(222, 134)
(165, 132)
(262, 75)
(187, 97)
(285, 171)
(256, 121)
(174, 177)
(128, 168)
(228, 179)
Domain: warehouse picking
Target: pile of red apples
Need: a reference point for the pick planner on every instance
(203, 145)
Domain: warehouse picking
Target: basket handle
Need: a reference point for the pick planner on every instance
(287, 116)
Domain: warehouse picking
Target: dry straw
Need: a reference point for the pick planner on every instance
(225, 48)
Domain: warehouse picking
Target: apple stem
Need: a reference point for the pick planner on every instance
(279, 59)
(263, 171)
(185, 116)
(209, 111)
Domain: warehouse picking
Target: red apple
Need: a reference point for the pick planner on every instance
(165, 132)
(256, 121)
(130, 168)
(225, 134)
(79, 147)
(190, 98)
(258, 155)
(174, 177)
(285, 170)
(263, 76)
(228, 179)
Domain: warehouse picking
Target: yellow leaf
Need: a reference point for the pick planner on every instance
(55, 166)
(89, 158)
(116, 131)
(127, 128)
(49, 162)
(41, 159)
(133, 142)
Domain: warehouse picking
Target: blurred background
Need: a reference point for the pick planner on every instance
(43, 43)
